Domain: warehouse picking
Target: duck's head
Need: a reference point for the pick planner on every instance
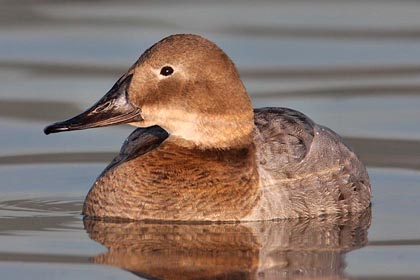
(184, 84)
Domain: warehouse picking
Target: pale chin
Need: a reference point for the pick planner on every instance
(139, 124)
(144, 124)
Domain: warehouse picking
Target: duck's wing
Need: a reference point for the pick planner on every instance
(140, 141)
(283, 134)
(307, 167)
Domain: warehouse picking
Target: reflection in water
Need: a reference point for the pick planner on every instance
(261, 250)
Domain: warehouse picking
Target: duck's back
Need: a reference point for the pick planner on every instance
(305, 169)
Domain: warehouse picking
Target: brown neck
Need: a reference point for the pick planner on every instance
(215, 135)
(204, 131)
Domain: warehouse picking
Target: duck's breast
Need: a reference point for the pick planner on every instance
(174, 183)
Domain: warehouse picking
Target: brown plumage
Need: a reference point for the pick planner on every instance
(203, 153)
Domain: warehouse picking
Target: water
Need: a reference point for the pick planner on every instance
(353, 66)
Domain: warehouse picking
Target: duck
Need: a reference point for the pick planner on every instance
(201, 152)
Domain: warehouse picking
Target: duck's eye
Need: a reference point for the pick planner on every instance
(166, 71)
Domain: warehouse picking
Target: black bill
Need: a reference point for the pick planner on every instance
(114, 108)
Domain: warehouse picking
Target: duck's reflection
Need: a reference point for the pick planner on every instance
(265, 250)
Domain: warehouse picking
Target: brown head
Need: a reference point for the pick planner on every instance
(186, 85)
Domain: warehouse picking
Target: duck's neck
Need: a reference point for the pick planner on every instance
(206, 131)
(211, 133)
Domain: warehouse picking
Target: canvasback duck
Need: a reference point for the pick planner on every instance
(202, 153)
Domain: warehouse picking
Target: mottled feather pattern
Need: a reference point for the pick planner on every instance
(173, 183)
(284, 135)
(305, 169)
(295, 169)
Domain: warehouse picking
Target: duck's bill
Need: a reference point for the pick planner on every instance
(114, 108)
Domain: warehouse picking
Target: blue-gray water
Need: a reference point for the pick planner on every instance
(351, 65)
